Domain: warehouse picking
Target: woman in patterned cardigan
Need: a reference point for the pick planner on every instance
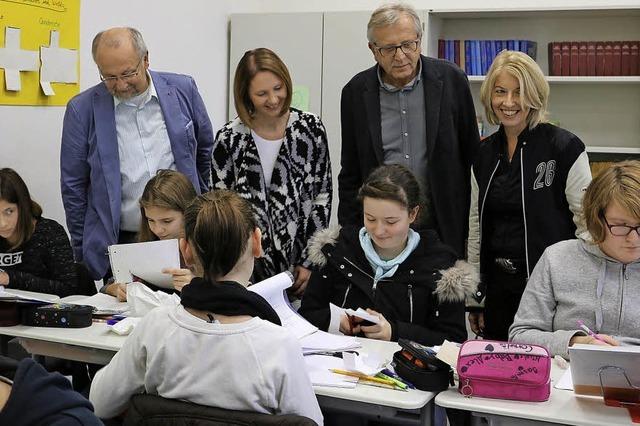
(277, 157)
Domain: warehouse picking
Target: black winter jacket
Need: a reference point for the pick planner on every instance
(423, 301)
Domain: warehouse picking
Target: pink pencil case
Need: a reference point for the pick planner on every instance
(504, 370)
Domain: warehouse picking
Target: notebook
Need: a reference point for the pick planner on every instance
(616, 366)
(145, 261)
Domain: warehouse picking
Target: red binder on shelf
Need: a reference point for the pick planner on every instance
(575, 52)
(599, 58)
(441, 49)
(582, 58)
(625, 51)
(608, 58)
(634, 63)
(591, 58)
(555, 58)
(617, 58)
(565, 49)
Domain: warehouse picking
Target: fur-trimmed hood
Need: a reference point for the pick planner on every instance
(454, 285)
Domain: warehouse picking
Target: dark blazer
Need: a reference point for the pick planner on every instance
(90, 164)
(452, 140)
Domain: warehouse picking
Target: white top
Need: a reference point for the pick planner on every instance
(268, 151)
(252, 366)
(143, 148)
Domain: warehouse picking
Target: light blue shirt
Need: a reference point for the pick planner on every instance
(143, 148)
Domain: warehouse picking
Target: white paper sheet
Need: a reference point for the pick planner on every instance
(565, 382)
(58, 65)
(319, 371)
(321, 341)
(361, 313)
(145, 260)
(273, 291)
(369, 364)
(14, 59)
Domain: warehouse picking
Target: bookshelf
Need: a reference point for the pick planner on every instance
(603, 111)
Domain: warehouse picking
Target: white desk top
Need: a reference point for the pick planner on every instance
(97, 336)
(562, 407)
(410, 400)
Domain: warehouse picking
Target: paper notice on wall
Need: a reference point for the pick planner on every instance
(58, 64)
(15, 60)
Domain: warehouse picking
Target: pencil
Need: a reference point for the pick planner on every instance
(364, 377)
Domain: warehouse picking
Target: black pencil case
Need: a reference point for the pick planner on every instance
(431, 377)
(58, 315)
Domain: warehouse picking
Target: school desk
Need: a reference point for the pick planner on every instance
(563, 407)
(97, 344)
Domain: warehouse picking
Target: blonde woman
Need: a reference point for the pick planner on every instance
(527, 184)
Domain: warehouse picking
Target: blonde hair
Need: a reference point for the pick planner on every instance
(168, 189)
(252, 62)
(534, 89)
(620, 183)
(389, 14)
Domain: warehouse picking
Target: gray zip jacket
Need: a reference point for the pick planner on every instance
(575, 281)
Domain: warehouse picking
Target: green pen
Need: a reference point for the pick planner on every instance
(396, 382)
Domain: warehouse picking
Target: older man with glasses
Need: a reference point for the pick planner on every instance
(117, 135)
(412, 110)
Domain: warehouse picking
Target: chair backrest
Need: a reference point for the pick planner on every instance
(153, 410)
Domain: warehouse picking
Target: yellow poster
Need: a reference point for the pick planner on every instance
(39, 41)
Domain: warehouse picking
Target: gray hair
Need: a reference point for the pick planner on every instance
(389, 14)
(136, 40)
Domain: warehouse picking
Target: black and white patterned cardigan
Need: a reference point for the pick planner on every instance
(298, 201)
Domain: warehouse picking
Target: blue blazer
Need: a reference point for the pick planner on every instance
(90, 165)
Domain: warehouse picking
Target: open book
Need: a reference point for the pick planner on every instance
(145, 261)
(13, 295)
(311, 339)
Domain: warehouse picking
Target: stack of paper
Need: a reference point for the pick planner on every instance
(319, 370)
(103, 304)
(312, 340)
(321, 341)
(12, 295)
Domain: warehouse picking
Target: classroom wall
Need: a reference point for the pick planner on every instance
(187, 37)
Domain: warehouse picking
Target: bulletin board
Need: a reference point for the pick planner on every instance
(39, 42)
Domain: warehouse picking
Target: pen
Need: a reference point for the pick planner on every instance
(393, 375)
(587, 330)
(363, 377)
(396, 382)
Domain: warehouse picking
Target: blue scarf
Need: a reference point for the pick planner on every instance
(386, 268)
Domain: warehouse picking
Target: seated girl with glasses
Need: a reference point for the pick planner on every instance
(597, 282)
(222, 346)
(410, 280)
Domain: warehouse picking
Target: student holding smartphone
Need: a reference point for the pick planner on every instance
(410, 280)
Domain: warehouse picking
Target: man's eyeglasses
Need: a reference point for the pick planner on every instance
(124, 77)
(621, 230)
(406, 47)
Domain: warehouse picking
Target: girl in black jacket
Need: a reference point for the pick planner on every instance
(35, 253)
(411, 281)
